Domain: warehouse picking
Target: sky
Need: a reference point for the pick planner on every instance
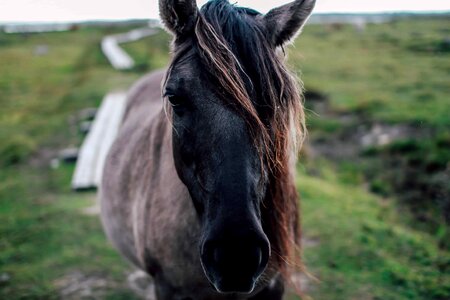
(80, 10)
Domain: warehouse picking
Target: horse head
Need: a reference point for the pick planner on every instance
(235, 112)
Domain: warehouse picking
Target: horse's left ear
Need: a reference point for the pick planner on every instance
(284, 22)
(179, 16)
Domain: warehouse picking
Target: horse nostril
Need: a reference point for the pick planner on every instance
(218, 256)
(249, 259)
(253, 259)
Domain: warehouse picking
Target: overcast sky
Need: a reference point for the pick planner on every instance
(75, 10)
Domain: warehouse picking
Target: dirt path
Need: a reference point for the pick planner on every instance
(118, 58)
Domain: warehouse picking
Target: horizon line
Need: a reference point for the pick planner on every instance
(82, 20)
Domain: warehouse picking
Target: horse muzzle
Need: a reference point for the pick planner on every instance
(235, 265)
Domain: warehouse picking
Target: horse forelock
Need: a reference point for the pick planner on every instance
(233, 46)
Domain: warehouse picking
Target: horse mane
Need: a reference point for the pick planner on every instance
(233, 45)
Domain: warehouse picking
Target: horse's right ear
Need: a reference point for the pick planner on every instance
(179, 16)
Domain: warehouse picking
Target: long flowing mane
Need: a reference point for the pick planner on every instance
(233, 46)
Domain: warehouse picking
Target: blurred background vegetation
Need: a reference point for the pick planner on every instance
(374, 175)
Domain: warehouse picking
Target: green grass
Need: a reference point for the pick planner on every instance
(367, 246)
(379, 72)
(39, 93)
(45, 235)
(364, 250)
(392, 73)
(149, 53)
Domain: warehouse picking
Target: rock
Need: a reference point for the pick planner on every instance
(142, 285)
(4, 278)
(308, 242)
(85, 126)
(383, 134)
(444, 45)
(93, 210)
(41, 50)
(87, 114)
(77, 285)
(54, 163)
(68, 154)
(303, 281)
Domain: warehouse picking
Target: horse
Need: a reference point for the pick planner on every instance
(198, 188)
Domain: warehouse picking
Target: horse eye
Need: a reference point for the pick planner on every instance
(175, 100)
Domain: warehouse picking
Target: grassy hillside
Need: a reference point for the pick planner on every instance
(364, 238)
(388, 83)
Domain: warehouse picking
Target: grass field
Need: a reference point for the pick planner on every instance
(367, 236)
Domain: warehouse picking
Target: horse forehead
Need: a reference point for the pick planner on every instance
(185, 70)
